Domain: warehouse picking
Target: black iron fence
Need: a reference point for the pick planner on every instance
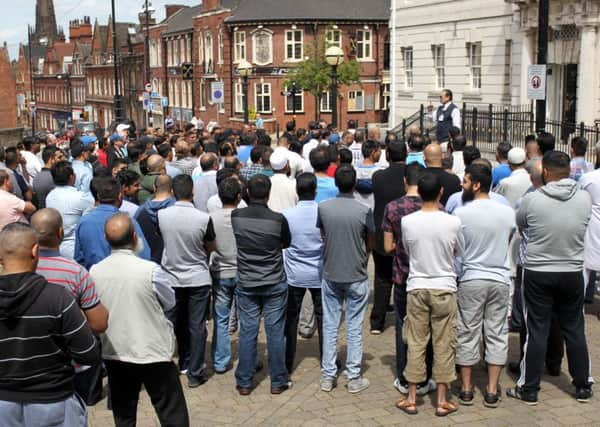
(486, 125)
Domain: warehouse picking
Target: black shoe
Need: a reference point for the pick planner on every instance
(465, 397)
(279, 390)
(517, 393)
(583, 394)
(491, 400)
(196, 382)
(243, 391)
(514, 368)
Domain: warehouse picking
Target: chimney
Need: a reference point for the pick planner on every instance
(86, 32)
(208, 5)
(74, 30)
(172, 9)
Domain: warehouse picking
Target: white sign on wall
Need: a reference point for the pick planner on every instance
(536, 82)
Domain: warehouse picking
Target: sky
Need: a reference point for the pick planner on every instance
(14, 20)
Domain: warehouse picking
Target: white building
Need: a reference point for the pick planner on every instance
(481, 51)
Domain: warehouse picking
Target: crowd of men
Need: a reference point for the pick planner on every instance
(116, 253)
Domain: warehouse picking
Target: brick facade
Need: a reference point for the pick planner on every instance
(8, 93)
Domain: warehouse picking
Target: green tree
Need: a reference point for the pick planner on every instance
(313, 74)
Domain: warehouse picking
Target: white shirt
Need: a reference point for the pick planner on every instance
(514, 186)
(431, 240)
(590, 182)
(296, 163)
(214, 203)
(311, 145)
(129, 208)
(357, 157)
(456, 121)
(458, 164)
(34, 164)
(283, 193)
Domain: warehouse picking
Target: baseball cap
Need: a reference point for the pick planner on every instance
(115, 137)
(122, 127)
(169, 123)
(279, 159)
(334, 138)
(517, 156)
(88, 139)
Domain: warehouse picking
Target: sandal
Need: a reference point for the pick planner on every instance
(446, 408)
(407, 406)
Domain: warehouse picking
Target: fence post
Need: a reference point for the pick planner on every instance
(581, 128)
(505, 125)
(490, 122)
(277, 129)
(474, 133)
(403, 130)
(464, 112)
(421, 117)
(531, 118)
(366, 130)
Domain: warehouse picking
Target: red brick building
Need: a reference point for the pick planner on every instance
(8, 93)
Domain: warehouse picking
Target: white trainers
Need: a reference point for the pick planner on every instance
(427, 388)
(328, 384)
(357, 385)
(400, 387)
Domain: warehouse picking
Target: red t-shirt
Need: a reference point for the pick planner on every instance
(331, 170)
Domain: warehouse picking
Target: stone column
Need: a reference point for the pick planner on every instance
(527, 58)
(586, 79)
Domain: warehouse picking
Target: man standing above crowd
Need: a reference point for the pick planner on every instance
(260, 236)
(70, 202)
(35, 341)
(137, 347)
(446, 116)
(189, 238)
(431, 239)
(556, 217)
(347, 227)
(388, 185)
(484, 283)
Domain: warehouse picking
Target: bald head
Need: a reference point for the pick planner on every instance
(163, 185)
(209, 161)
(182, 149)
(534, 167)
(18, 248)
(155, 163)
(433, 155)
(119, 232)
(47, 223)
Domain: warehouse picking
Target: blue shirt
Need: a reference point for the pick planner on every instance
(302, 260)
(243, 153)
(72, 204)
(326, 189)
(455, 201)
(499, 173)
(83, 175)
(91, 246)
(416, 158)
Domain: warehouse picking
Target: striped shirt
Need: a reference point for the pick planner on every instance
(68, 273)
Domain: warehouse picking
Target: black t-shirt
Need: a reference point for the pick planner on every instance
(388, 185)
(450, 183)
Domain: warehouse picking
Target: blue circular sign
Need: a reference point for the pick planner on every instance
(218, 94)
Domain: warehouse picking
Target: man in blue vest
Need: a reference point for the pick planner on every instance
(446, 116)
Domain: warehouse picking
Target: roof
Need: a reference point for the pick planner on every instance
(123, 33)
(182, 20)
(313, 10)
(38, 51)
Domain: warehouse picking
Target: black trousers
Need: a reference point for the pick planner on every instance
(556, 344)
(161, 381)
(560, 293)
(295, 296)
(382, 290)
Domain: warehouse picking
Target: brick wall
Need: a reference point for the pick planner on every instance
(8, 92)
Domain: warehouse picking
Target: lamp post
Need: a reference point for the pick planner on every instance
(245, 70)
(118, 98)
(542, 59)
(334, 56)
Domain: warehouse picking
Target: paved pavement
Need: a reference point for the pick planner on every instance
(218, 403)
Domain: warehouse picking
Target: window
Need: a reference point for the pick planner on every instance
(474, 60)
(384, 98)
(294, 103)
(263, 97)
(175, 52)
(221, 47)
(326, 102)
(333, 38)
(239, 38)
(293, 45)
(202, 105)
(208, 52)
(507, 66)
(200, 49)
(239, 98)
(263, 47)
(356, 100)
(439, 62)
(407, 62)
(363, 44)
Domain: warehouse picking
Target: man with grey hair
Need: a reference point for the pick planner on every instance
(138, 345)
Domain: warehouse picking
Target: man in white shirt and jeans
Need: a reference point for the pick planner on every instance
(431, 239)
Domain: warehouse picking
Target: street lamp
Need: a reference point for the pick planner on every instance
(245, 70)
(334, 55)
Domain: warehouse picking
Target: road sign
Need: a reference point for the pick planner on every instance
(146, 103)
(536, 82)
(155, 95)
(164, 101)
(146, 96)
(150, 106)
(148, 87)
(217, 92)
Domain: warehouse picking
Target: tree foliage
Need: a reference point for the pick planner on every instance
(313, 74)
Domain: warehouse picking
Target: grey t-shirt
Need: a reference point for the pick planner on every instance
(345, 222)
(486, 226)
(223, 263)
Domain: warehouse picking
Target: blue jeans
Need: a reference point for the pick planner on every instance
(334, 295)
(189, 321)
(70, 412)
(223, 293)
(271, 300)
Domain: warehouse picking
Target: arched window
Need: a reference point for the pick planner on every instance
(262, 42)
